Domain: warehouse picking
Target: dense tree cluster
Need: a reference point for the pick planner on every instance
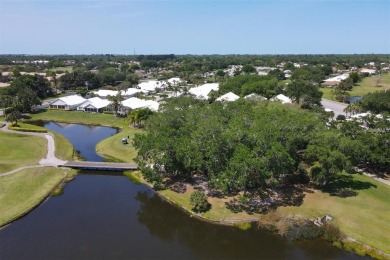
(376, 102)
(306, 94)
(25, 92)
(242, 85)
(238, 146)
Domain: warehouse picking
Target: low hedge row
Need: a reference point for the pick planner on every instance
(21, 129)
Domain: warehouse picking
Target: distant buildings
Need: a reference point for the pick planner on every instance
(334, 81)
(203, 91)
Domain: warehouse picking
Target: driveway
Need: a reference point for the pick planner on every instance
(337, 107)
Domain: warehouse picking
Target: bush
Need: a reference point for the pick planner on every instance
(340, 117)
(199, 201)
(20, 129)
(305, 230)
(331, 232)
(243, 225)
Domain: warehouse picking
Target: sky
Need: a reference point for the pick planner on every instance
(194, 26)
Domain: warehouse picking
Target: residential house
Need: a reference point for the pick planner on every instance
(67, 103)
(228, 97)
(94, 105)
(203, 91)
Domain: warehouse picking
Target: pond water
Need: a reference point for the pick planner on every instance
(107, 216)
(83, 137)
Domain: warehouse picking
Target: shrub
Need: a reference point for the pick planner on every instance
(305, 230)
(331, 232)
(340, 117)
(20, 129)
(243, 225)
(199, 201)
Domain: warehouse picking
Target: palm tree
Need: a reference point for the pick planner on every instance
(133, 117)
(116, 102)
(54, 80)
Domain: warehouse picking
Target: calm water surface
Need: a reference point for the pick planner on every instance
(107, 216)
(83, 137)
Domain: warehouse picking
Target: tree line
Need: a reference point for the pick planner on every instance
(249, 146)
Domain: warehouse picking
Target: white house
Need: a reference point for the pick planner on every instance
(67, 103)
(95, 105)
(203, 91)
(152, 85)
(104, 93)
(255, 97)
(132, 92)
(369, 71)
(282, 98)
(134, 103)
(228, 97)
(174, 81)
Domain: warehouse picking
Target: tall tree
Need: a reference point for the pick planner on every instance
(116, 102)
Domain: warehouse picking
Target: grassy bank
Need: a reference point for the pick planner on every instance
(113, 149)
(364, 217)
(367, 85)
(64, 149)
(22, 191)
(79, 117)
(20, 150)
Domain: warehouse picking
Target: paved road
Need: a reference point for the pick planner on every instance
(337, 107)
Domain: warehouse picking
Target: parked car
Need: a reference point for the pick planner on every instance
(124, 141)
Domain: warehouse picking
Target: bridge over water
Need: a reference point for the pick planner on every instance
(101, 166)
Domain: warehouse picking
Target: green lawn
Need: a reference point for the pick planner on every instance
(79, 117)
(113, 149)
(365, 217)
(20, 150)
(20, 192)
(64, 148)
(364, 87)
(30, 126)
(327, 93)
(67, 68)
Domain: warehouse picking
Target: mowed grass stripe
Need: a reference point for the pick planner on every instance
(22, 191)
(17, 150)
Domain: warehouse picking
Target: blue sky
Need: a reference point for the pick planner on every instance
(194, 27)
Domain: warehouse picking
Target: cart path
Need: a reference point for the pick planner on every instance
(50, 160)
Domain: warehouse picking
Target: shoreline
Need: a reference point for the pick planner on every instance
(39, 203)
(221, 222)
(348, 244)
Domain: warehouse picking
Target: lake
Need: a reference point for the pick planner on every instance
(104, 215)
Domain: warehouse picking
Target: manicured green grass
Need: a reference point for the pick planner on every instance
(112, 147)
(20, 192)
(30, 126)
(327, 93)
(67, 68)
(64, 149)
(365, 217)
(20, 150)
(367, 85)
(79, 117)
